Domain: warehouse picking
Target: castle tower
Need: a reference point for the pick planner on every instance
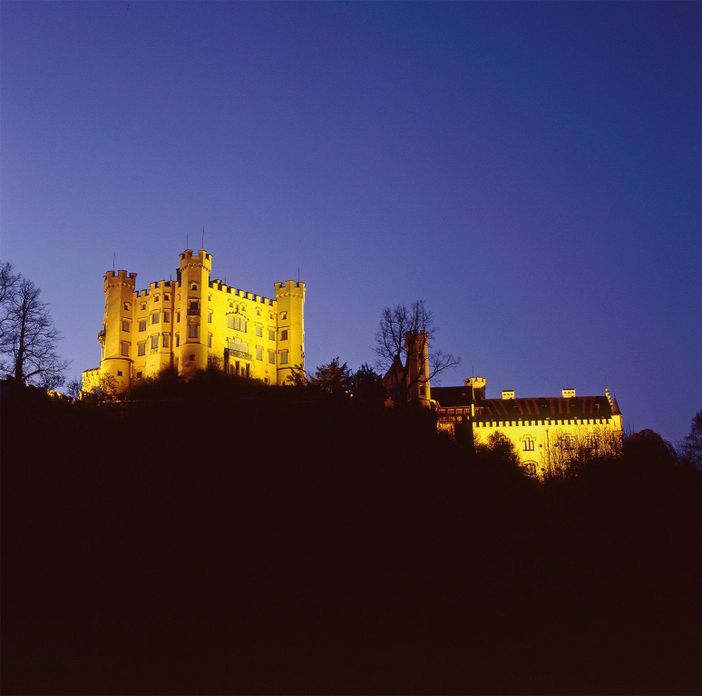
(192, 310)
(116, 334)
(290, 300)
(477, 385)
(418, 372)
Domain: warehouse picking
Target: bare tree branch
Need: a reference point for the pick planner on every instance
(390, 345)
(28, 336)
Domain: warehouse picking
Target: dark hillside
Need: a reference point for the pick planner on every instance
(239, 539)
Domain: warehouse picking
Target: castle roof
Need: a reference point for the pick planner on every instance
(535, 408)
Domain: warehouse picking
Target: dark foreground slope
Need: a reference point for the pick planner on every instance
(227, 541)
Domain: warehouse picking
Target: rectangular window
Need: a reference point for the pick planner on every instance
(193, 330)
(177, 340)
(154, 342)
(142, 325)
(154, 318)
(259, 352)
(124, 348)
(271, 334)
(259, 331)
(283, 334)
(125, 325)
(283, 357)
(166, 342)
(209, 340)
(167, 297)
(236, 323)
(166, 317)
(209, 317)
(141, 348)
(271, 357)
(178, 317)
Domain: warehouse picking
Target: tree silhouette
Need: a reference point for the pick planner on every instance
(28, 336)
(390, 343)
(334, 378)
(691, 448)
(368, 384)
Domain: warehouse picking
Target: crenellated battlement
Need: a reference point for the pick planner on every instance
(120, 278)
(221, 286)
(155, 285)
(193, 321)
(195, 259)
(290, 288)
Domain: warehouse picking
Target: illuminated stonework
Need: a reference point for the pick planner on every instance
(548, 433)
(192, 322)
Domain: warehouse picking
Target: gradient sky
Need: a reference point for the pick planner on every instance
(532, 171)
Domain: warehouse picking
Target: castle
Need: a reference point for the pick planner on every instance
(547, 432)
(194, 322)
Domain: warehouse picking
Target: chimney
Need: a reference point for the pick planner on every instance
(568, 393)
(507, 394)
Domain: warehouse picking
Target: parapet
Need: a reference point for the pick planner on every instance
(119, 278)
(221, 286)
(290, 288)
(477, 387)
(190, 259)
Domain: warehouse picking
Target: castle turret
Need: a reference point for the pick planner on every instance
(476, 385)
(116, 334)
(418, 387)
(192, 310)
(290, 301)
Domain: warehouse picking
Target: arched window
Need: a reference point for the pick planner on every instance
(530, 468)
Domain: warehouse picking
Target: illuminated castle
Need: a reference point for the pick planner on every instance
(194, 322)
(546, 432)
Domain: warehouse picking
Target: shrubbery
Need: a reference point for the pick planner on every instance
(221, 536)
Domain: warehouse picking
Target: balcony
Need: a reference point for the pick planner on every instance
(239, 353)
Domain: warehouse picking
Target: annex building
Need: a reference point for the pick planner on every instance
(194, 322)
(547, 432)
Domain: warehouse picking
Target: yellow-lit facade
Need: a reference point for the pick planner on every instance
(194, 322)
(547, 432)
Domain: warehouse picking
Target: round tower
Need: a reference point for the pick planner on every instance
(290, 321)
(117, 329)
(194, 278)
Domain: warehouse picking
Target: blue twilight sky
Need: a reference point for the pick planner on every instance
(532, 171)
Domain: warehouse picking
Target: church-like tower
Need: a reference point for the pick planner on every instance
(194, 322)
